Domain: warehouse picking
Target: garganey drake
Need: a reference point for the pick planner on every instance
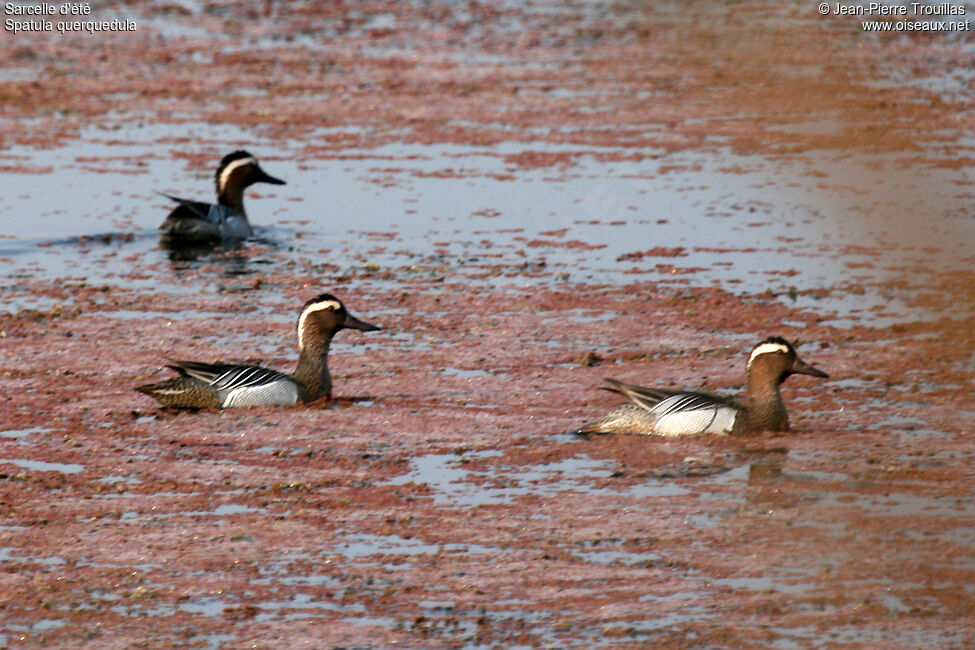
(221, 385)
(663, 412)
(197, 220)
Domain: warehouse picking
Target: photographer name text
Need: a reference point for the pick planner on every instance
(882, 9)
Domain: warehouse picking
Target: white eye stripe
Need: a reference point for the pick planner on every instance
(334, 305)
(767, 348)
(229, 169)
(318, 306)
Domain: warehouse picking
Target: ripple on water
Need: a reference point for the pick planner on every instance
(447, 478)
(23, 433)
(361, 546)
(42, 466)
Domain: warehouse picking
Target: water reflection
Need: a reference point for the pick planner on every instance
(767, 467)
(179, 252)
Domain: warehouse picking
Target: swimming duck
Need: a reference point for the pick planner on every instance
(664, 412)
(221, 385)
(196, 220)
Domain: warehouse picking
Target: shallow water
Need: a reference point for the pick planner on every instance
(42, 466)
(448, 477)
(797, 227)
(528, 198)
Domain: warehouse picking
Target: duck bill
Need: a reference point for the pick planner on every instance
(351, 322)
(264, 177)
(800, 367)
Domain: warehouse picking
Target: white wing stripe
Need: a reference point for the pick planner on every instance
(685, 402)
(246, 376)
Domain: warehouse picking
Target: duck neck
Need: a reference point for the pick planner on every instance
(766, 412)
(312, 372)
(232, 197)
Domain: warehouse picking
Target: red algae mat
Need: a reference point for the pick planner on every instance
(440, 500)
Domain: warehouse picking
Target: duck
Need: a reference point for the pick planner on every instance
(194, 221)
(665, 412)
(201, 385)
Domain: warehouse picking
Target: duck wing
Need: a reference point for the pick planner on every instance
(187, 209)
(642, 396)
(229, 377)
(666, 401)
